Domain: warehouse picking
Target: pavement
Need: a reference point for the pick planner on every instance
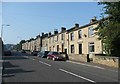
(26, 68)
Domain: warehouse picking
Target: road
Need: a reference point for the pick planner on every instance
(26, 68)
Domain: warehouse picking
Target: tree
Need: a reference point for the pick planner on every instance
(19, 45)
(109, 28)
(22, 41)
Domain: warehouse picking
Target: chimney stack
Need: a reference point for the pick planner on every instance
(49, 34)
(76, 25)
(93, 19)
(46, 35)
(63, 29)
(38, 36)
(42, 33)
(55, 31)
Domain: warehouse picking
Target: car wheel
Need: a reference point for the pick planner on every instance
(53, 59)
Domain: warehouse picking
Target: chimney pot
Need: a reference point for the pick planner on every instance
(76, 25)
(93, 19)
(63, 29)
(42, 33)
(55, 31)
(46, 34)
(49, 33)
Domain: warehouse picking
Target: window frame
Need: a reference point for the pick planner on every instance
(92, 45)
(62, 36)
(57, 37)
(72, 49)
(79, 34)
(90, 31)
(72, 36)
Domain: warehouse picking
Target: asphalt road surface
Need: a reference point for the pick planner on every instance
(25, 68)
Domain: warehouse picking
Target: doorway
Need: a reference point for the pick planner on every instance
(80, 48)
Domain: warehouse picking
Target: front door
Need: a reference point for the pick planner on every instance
(65, 51)
(62, 47)
(57, 48)
(80, 48)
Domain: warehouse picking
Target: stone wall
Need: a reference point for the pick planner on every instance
(105, 60)
(78, 57)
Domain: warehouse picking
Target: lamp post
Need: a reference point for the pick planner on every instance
(2, 29)
(2, 48)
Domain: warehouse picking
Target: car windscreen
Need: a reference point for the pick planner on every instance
(56, 53)
(46, 52)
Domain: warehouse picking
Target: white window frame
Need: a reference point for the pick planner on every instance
(90, 31)
(79, 34)
(72, 36)
(72, 51)
(90, 45)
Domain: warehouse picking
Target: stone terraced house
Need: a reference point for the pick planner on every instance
(76, 40)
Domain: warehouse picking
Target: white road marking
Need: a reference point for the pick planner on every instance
(45, 63)
(86, 65)
(77, 75)
(33, 59)
(91, 66)
(98, 67)
(112, 70)
(41, 62)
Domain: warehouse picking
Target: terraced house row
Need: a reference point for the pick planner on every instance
(76, 40)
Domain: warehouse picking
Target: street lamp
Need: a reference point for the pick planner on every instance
(2, 45)
(2, 29)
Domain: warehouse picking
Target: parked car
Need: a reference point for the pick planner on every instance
(43, 54)
(7, 53)
(28, 51)
(34, 53)
(55, 56)
(22, 51)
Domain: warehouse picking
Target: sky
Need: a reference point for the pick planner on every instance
(28, 19)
